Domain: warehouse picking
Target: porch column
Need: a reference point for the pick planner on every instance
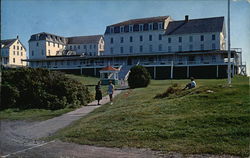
(217, 71)
(187, 71)
(95, 71)
(154, 72)
(172, 68)
(81, 70)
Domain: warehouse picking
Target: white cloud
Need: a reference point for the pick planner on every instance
(240, 0)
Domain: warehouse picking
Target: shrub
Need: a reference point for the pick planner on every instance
(138, 77)
(41, 88)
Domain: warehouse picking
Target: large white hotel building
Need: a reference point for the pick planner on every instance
(167, 48)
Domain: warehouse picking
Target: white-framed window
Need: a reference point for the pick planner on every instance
(111, 40)
(169, 49)
(58, 45)
(14, 60)
(141, 38)
(111, 50)
(169, 40)
(150, 38)
(14, 53)
(121, 50)
(160, 47)
(160, 25)
(141, 48)
(141, 27)
(111, 30)
(130, 28)
(190, 47)
(160, 36)
(131, 49)
(213, 45)
(121, 40)
(180, 48)
(213, 37)
(49, 52)
(150, 48)
(150, 26)
(202, 46)
(131, 39)
(190, 38)
(17, 53)
(122, 29)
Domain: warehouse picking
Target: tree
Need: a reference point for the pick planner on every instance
(138, 77)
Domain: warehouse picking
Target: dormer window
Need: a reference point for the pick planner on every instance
(150, 26)
(122, 29)
(111, 30)
(141, 27)
(160, 25)
(130, 28)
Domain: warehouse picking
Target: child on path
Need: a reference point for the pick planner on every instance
(111, 88)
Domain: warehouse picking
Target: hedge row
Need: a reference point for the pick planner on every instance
(28, 88)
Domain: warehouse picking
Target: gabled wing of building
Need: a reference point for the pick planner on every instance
(205, 25)
(7, 43)
(84, 39)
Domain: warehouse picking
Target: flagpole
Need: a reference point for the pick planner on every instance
(229, 52)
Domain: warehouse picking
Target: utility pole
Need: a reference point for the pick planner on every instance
(229, 52)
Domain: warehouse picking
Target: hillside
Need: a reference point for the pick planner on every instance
(212, 118)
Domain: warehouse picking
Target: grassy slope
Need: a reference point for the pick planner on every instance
(41, 114)
(216, 123)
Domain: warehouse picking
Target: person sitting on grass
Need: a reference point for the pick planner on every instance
(191, 84)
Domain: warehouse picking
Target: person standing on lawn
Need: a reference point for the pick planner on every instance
(111, 88)
(98, 92)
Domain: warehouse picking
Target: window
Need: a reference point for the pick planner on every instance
(121, 49)
(202, 37)
(111, 40)
(160, 25)
(111, 50)
(49, 52)
(214, 58)
(21, 48)
(54, 44)
(160, 37)
(180, 39)
(70, 47)
(190, 38)
(42, 52)
(141, 48)
(213, 45)
(85, 47)
(21, 53)
(130, 28)
(122, 29)
(150, 48)
(17, 47)
(48, 43)
(14, 60)
(79, 46)
(17, 53)
(169, 40)
(90, 46)
(131, 39)
(121, 40)
(202, 46)
(14, 53)
(140, 27)
(150, 26)
(190, 47)
(141, 38)
(32, 53)
(179, 48)
(131, 49)
(37, 44)
(202, 58)
(58, 45)
(150, 37)
(213, 37)
(111, 30)
(169, 48)
(160, 47)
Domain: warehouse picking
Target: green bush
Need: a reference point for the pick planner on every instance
(138, 77)
(40, 88)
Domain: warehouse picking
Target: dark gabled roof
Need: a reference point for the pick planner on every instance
(7, 43)
(205, 25)
(141, 21)
(84, 39)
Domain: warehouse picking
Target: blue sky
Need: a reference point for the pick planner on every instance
(89, 17)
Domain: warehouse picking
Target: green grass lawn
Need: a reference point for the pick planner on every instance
(42, 114)
(199, 122)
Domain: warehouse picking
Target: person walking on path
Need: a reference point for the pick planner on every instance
(111, 88)
(98, 92)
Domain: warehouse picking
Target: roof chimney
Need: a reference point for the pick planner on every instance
(186, 18)
(17, 37)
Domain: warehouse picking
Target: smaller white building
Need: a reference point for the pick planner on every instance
(13, 53)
